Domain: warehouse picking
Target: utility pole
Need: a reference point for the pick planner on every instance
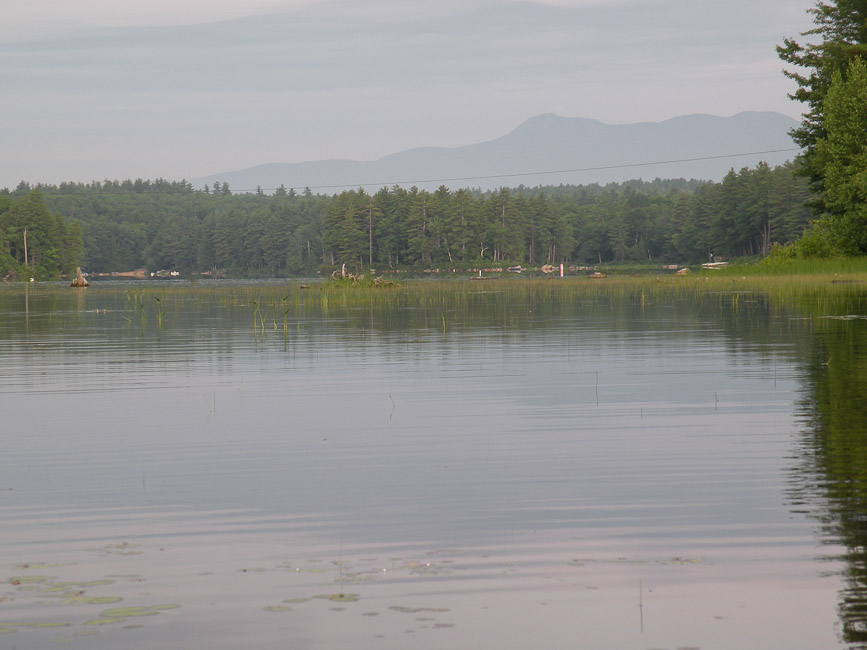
(25, 247)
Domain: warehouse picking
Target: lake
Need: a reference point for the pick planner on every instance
(498, 464)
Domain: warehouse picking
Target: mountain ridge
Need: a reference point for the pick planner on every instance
(550, 149)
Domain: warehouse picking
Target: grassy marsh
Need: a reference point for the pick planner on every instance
(280, 310)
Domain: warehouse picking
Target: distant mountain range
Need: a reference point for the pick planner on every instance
(550, 150)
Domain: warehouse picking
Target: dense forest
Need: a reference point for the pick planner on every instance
(170, 225)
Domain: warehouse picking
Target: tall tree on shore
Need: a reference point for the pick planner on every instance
(841, 27)
(841, 156)
(346, 228)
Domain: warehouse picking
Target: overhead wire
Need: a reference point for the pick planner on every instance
(494, 176)
(540, 173)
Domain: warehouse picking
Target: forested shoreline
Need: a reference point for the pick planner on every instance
(815, 207)
(162, 224)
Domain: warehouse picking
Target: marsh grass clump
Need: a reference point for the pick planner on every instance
(361, 282)
(160, 311)
(782, 265)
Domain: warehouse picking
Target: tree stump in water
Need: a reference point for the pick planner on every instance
(79, 280)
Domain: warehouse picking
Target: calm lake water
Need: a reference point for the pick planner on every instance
(256, 465)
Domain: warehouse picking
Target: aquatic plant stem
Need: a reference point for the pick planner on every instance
(641, 604)
(340, 567)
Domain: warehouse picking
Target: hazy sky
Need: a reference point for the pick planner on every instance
(97, 89)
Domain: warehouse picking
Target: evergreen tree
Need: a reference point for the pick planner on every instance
(708, 203)
(420, 229)
(681, 232)
(841, 157)
(372, 213)
(842, 28)
(388, 229)
(458, 226)
(275, 242)
(787, 205)
(344, 231)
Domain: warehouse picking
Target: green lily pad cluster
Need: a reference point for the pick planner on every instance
(337, 598)
(7, 627)
(42, 565)
(120, 614)
(91, 600)
(71, 593)
(29, 580)
(121, 548)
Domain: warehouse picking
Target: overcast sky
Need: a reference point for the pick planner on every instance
(97, 89)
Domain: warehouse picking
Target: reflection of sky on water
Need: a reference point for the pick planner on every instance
(553, 469)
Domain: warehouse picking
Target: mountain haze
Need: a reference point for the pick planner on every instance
(549, 143)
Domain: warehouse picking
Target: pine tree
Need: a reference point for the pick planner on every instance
(458, 226)
(841, 157)
(842, 27)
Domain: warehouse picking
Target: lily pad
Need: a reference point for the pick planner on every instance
(297, 600)
(125, 612)
(340, 598)
(105, 621)
(159, 608)
(416, 610)
(92, 600)
(278, 608)
(26, 580)
(41, 565)
(91, 583)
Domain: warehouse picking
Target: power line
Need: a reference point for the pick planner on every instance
(538, 173)
(481, 177)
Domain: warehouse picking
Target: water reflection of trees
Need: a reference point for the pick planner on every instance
(831, 480)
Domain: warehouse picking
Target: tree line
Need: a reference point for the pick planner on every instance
(170, 225)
